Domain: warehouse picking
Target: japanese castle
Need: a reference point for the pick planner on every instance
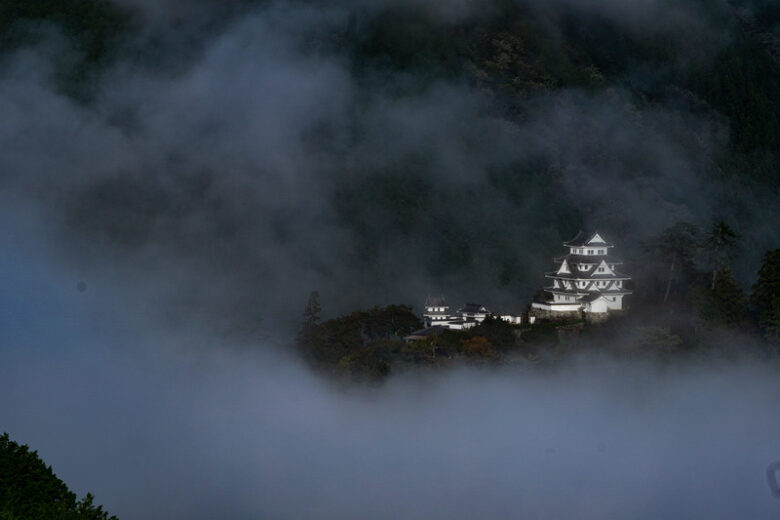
(586, 279)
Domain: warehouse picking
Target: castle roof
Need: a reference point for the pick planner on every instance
(473, 308)
(435, 301)
(563, 290)
(587, 275)
(587, 238)
(588, 259)
(594, 295)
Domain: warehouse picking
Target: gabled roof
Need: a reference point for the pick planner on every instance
(587, 238)
(610, 276)
(561, 290)
(593, 296)
(590, 275)
(616, 290)
(435, 301)
(588, 259)
(473, 308)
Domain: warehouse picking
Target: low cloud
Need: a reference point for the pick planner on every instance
(161, 424)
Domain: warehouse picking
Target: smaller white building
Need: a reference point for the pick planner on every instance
(475, 312)
(437, 314)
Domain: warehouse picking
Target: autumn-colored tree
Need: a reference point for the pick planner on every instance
(477, 347)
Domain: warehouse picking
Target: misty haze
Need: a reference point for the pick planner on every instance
(393, 259)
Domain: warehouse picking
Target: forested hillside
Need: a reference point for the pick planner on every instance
(377, 152)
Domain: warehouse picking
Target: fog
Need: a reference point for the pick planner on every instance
(254, 153)
(161, 424)
(158, 243)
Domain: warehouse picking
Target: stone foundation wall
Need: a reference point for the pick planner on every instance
(542, 314)
(590, 317)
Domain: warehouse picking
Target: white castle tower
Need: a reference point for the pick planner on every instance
(586, 279)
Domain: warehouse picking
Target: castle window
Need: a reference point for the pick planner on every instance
(601, 251)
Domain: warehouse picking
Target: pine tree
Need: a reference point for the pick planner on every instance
(765, 297)
(720, 243)
(311, 318)
(311, 314)
(676, 247)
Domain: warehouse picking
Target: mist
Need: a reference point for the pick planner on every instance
(160, 423)
(158, 242)
(255, 153)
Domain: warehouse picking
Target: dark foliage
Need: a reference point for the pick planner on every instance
(721, 304)
(93, 27)
(360, 344)
(673, 261)
(29, 490)
(765, 297)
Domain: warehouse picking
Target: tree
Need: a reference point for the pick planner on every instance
(770, 320)
(675, 246)
(657, 339)
(724, 304)
(311, 314)
(477, 347)
(720, 243)
(29, 489)
(311, 318)
(499, 333)
(765, 297)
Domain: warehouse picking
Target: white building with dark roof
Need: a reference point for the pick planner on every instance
(437, 312)
(586, 279)
(474, 311)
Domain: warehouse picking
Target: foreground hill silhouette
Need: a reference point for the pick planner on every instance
(29, 489)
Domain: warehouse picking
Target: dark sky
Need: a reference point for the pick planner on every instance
(198, 204)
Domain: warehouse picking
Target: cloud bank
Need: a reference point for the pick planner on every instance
(263, 164)
(200, 204)
(159, 424)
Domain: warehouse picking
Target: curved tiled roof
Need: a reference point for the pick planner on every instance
(582, 239)
(435, 301)
(588, 259)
